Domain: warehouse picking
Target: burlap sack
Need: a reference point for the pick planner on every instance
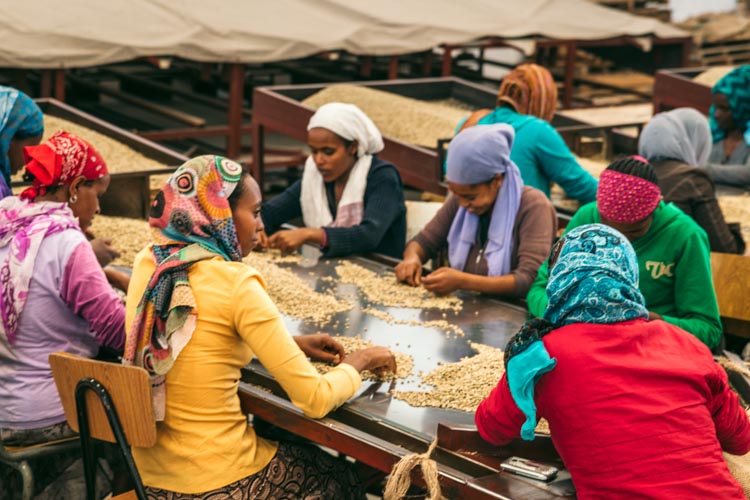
(739, 466)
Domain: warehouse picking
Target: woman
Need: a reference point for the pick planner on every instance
(21, 124)
(55, 295)
(676, 143)
(204, 220)
(526, 101)
(349, 200)
(672, 250)
(729, 118)
(636, 408)
(497, 231)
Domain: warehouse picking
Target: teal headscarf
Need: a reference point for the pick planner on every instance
(736, 86)
(594, 280)
(19, 117)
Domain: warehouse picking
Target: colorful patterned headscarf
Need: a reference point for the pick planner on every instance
(59, 161)
(191, 221)
(594, 280)
(530, 90)
(20, 118)
(23, 226)
(736, 86)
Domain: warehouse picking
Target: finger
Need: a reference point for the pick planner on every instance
(336, 347)
(418, 275)
(326, 356)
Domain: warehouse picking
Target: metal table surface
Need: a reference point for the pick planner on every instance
(483, 320)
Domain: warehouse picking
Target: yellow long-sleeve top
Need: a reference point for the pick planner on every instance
(205, 441)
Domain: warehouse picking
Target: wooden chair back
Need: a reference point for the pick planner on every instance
(731, 275)
(128, 386)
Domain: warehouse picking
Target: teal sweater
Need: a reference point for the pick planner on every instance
(675, 272)
(542, 156)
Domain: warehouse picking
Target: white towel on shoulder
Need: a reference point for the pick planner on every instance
(350, 123)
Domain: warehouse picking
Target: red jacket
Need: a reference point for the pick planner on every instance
(636, 409)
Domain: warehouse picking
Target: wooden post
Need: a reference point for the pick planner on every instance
(366, 69)
(570, 68)
(447, 60)
(45, 89)
(427, 63)
(206, 72)
(236, 91)
(393, 68)
(258, 153)
(59, 77)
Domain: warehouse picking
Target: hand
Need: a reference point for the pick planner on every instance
(117, 279)
(104, 251)
(653, 316)
(443, 281)
(262, 241)
(375, 359)
(288, 241)
(409, 270)
(321, 347)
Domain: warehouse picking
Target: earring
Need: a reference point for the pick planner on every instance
(73, 199)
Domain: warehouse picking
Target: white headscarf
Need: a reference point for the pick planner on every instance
(350, 123)
(681, 134)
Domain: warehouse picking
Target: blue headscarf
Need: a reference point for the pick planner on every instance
(20, 118)
(594, 280)
(736, 86)
(477, 155)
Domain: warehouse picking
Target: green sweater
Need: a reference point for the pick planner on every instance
(675, 272)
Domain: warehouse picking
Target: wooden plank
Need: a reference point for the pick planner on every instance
(128, 386)
(382, 455)
(731, 276)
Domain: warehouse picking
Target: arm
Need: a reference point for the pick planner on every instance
(384, 200)
(731, 421)
(537, 227)
(735, 175)
(696, 309)
(446, 280)
(498, 418)
(86, 291)
(282, 208)
(409, 270)
(260, 325)
(559, 164)
(707, 214)
(536, 299)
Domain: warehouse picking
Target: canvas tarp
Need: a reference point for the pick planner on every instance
(79, 33)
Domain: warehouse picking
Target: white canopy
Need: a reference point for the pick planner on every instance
(78, 33)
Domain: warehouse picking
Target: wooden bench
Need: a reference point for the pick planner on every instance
(731, 275)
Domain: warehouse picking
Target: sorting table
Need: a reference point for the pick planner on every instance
(378, 429)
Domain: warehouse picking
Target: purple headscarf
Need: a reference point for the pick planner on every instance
(475, 156)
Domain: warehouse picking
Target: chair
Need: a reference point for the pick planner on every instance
(18, 458)
(731, 276)
(109, 402)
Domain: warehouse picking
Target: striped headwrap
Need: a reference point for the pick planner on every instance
(530, 90)
(736, 86)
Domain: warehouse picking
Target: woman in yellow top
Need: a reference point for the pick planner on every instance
(195, 316)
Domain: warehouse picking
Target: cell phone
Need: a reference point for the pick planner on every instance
(529, 468)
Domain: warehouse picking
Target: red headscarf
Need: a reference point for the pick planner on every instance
(58, 161)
